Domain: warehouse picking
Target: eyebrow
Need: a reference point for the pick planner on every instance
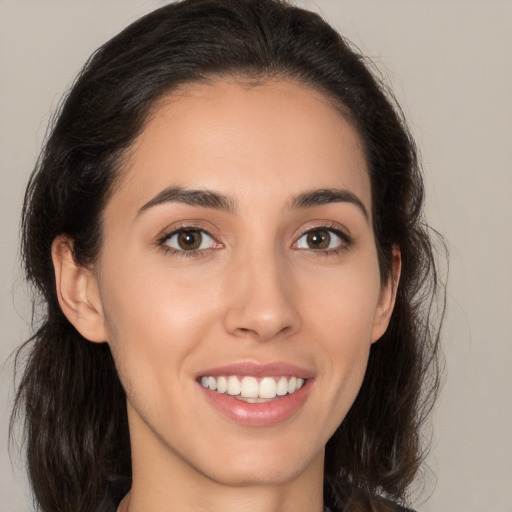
(328, 195)
(203, 198)
(218, 201)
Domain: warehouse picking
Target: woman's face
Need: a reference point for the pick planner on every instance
(238, 252)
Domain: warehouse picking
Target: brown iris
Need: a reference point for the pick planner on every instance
(190, 240)
(318, 239)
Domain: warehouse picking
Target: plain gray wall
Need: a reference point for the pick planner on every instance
(450, 65)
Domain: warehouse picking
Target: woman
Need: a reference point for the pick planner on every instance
(225, 226)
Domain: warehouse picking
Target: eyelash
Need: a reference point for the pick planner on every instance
(161, 242)
(344, 237)
(346, 240)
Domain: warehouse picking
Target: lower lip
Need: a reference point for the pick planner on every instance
(258, 415)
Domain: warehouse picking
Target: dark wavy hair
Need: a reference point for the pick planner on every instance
(73, 404)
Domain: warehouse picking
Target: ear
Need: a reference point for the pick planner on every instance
(387, 296)
(77, 292)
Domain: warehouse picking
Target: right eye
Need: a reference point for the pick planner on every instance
(323, 239)
(189, 240)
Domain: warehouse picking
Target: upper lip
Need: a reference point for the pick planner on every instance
(254, 369)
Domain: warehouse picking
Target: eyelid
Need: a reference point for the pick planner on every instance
(209, 240)
(335, 228)
(187, 225)
(175, 229)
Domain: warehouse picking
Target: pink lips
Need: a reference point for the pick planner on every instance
(258, 414)
(258, 370)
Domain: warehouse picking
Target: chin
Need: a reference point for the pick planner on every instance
(257, 466)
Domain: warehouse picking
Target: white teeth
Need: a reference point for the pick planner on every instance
(282, 386)
(267, 388)
(212, 383)
(292, 385)
(249, 388)
(233, 386)
(222, 384)
(254, 400)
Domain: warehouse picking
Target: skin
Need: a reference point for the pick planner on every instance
(256, 292)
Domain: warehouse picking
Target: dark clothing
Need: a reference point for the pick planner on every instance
(340, 499)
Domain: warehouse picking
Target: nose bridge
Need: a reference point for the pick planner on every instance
(262, 304)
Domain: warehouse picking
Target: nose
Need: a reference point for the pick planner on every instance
(261, 300)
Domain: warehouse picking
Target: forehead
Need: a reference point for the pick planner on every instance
(258, 142)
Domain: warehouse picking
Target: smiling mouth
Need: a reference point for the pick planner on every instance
(251, 389)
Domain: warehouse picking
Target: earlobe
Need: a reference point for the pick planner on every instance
(77, 292)
(387, 296)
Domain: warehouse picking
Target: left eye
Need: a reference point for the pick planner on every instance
(190, 240)
(320, 239)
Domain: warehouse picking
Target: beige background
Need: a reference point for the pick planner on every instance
(450, 64)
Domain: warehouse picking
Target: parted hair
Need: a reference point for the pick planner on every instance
(69, 395)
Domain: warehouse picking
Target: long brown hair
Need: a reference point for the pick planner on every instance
(72, 401)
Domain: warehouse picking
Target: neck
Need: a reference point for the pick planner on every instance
(164, 480)
(178, 487)
(245, 499)
(302, 494)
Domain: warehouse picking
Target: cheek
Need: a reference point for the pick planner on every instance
(150, 323)
(157, 317)
(143, 295)
(340, 320)
(151, 333)
(343, 301)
